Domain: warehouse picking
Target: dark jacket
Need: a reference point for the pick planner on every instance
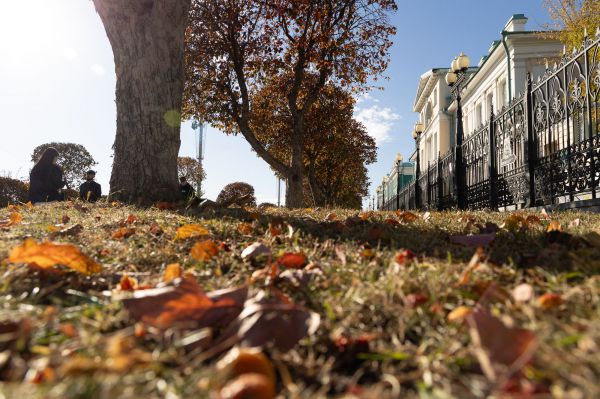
(90, 191)
(186, 190)
(45, 183)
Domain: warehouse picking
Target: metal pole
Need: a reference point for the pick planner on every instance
(278, 191)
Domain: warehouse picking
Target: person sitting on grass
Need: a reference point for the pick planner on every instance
(90, 190)
(186, 191)
(46, 178)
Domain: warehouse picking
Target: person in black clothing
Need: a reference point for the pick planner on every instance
(186, 191)
(90, 190)
(46, 178)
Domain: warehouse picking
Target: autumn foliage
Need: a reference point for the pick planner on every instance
(235, 48)
(238, 193)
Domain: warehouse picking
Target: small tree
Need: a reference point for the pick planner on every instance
(74, 160)
(238, 193)
(191, 169)
(570, 17)
(12, 191)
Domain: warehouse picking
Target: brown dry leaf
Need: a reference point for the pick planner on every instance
(123, 232)
(477, 257)
(499, 347)
(513, 222)
(50, 254)
(331, 217)
(204, 250)
(245, 228)
(190, 230)
(185, 302)
(271, 320)
(404, 257)
(155, 229)
(293, 260)
(172, 271)
(68, 329)
(554, 226)
(366, 215)
(128, 283)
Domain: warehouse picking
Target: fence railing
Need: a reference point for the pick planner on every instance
(542, 148)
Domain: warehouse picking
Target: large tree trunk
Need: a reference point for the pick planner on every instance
(294, 194)
(147, 38)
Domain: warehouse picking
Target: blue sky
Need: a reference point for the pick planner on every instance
(57, 83)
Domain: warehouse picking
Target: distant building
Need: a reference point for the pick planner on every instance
(499, 76)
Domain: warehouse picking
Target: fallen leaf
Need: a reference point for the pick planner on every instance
(267, 320)
(50, 254)
(522, 293)
(366, 215)
(341, 254)
(68, 329)
(459, 314)
(184, 301)
(131, 219)
(293, 260)
(172, 271)
(155, 229)
(13, 219)
(190, 230)
(164, 205)
(427, 216)
(477, 257)
(404, 257)
(240, 361)
(68, 231)
(513, 222)
(331, 217)
(127, 283)
(415, 300)
(498, 346)
(406, 216)
(254, 250)
(554, 226)
(251, 386)
(549, 301)
(123, 232)
(475, 240)
(245, 228)
(575, 223)
(391, 222)
(204, 250)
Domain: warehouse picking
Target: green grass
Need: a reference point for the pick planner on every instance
(394, 350)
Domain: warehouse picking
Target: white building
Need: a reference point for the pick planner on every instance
(499, 76)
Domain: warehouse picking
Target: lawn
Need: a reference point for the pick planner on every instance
(341, 303)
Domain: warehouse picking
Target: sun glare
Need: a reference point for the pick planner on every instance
(30, 28)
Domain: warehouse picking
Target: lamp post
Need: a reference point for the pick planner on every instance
(398, 165)
(378, 191)
(456, 79)
(416, 134)
(383, 183)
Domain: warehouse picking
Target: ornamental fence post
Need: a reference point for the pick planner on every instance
(440, 183)
(531, 142)
(492, 162)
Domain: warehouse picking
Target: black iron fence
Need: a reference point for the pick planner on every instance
(543, 148)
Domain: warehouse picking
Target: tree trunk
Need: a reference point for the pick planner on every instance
(294, 195)
(147, 38)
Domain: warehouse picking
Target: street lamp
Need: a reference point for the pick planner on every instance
(398, 166)
(456, 78)
(416, 133)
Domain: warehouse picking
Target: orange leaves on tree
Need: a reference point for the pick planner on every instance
(204, 250)
(293, 260)
(190, 230)
(50, 254)
(172, 271)
(549, 301)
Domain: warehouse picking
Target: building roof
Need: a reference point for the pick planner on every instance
(426, 84)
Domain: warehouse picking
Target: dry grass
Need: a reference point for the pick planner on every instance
(371, 343)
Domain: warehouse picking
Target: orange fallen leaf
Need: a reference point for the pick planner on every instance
(172, 271)
(331, 217)
(406, 216)
(415, 300)
(127, 283)
(204, 250)
(293, 260)
(250, 385)
(131, 219)
(190, 230)
(123, 232)
(13, 219)
(459, 314)
(245, 228)
(185, 302)
(274, 231)
(554, 226)
(68, 329)
(549, 301)
(366, 215)
(50, 254)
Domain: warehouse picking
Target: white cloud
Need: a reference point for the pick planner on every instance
(98, 69)
(378, 121)
(70, 53)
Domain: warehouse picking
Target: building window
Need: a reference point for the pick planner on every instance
(489, 104)
(478, 116)
(501, 94)
(434, 98)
